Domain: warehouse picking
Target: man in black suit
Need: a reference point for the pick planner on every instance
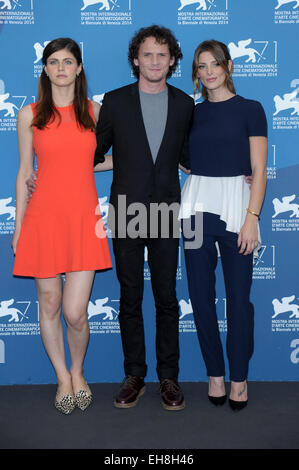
(147, 125)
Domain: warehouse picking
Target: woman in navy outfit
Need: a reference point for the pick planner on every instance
(228, 141)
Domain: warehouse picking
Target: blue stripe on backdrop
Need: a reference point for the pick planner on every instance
(261, 37)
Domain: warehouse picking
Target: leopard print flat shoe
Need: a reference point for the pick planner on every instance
(66, 404)
(83, 399)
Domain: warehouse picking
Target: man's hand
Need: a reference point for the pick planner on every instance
(30, 183)
(106, 165)
(249, 179)
(181, 167)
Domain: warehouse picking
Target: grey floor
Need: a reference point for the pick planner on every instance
(28, 420)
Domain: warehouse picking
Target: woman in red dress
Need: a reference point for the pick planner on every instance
(58, 231)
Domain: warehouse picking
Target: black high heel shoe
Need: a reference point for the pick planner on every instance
(237, 405)
(217, 401)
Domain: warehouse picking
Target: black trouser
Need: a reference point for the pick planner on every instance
(162, 260)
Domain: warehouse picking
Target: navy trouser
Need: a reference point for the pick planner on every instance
(237, 270)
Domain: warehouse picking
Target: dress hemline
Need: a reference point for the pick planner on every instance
(62, 271)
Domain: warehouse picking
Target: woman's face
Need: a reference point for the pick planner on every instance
(62, 68)
(210, 73)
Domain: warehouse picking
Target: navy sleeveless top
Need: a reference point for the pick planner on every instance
(219, 137)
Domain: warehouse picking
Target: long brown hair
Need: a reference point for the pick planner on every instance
(45, 110)
(221, 55)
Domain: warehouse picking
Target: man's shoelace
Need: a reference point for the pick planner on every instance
(129, 381)
(170, 385)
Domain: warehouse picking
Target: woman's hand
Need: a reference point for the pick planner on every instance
(15, 240)
(30, 183)
(247, 240)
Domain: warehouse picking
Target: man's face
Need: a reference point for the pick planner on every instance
(153, 60)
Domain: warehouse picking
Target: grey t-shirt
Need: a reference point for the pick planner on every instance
(154, 108)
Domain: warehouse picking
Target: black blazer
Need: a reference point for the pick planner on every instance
(135, 174)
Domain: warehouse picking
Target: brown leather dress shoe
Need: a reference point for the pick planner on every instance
(132, 387)
(172, 395)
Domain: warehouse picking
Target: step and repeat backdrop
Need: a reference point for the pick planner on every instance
(262, 36)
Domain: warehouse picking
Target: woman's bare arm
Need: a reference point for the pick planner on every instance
(247, 240)
(26, 156)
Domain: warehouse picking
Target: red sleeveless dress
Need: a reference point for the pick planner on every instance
(62, 230)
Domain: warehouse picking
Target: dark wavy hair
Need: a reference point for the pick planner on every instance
(221, 53)
(162, 36)
(45, 110)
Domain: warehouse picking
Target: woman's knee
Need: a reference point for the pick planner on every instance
(49, 304)
(75, 317)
